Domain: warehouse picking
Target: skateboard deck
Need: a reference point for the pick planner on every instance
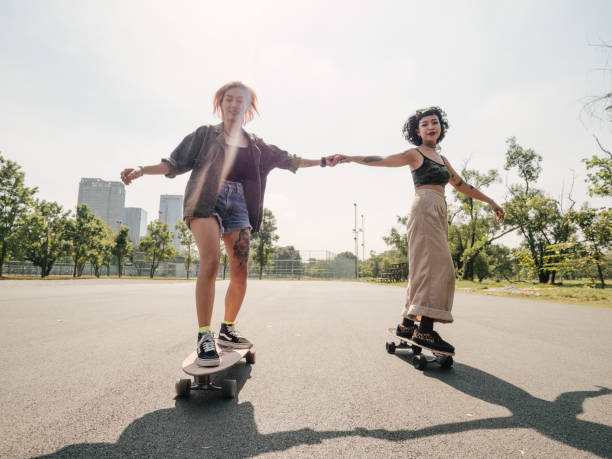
(203, 376)
(444, 359)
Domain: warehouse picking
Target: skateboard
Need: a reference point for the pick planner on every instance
(444, 359)
(203, 377)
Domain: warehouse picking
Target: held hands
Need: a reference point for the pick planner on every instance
(332, 160)
(127, 175)
(499, 212)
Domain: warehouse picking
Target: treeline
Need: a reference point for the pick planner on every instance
(287, 261)
(44, 233)
(556, 241)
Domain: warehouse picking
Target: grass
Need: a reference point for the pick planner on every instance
(570, 292)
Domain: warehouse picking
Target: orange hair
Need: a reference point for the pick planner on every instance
(218, 99)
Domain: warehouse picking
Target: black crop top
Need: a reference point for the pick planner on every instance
(243, 166)
(430, 173)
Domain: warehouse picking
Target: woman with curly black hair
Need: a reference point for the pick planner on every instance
(432, 275)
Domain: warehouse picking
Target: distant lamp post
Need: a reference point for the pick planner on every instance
(355, 237)
(362, 238)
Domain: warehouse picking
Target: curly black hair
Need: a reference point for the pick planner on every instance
(412, 124)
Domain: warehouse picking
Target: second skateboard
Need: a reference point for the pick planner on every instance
(420, 361)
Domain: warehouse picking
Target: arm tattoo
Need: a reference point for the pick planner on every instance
(241, 247)
(372, 159)
(459, 183)
(471, 187)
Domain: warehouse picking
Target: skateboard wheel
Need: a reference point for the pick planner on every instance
(390, 348)
(229, 388)
(420, 362)
(250, 357)
(182, 387)
(447, 362)
(416, 350)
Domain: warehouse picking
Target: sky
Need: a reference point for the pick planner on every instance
(88, 88)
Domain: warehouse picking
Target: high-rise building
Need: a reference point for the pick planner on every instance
(171, 212)
(135, 218)
(105, 199)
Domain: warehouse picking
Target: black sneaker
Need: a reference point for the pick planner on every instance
(207, 351)
(230, 337)
(432, 340)
(405, 331)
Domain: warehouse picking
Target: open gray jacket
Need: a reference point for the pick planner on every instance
(203, 153)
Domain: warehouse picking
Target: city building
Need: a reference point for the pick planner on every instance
(135, 219)
(105, 199)
(171, 212)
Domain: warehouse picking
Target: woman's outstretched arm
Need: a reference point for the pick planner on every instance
(129, 174)
(463, 187)
(309, 162)
(401, 159)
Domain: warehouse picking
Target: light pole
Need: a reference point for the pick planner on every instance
(355, 232)
(362, 238)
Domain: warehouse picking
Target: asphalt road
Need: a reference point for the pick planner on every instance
(88, 370)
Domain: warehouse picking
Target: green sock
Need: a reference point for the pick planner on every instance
(227, 322)
(205, 328)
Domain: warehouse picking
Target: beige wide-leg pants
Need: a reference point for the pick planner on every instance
(431, 284)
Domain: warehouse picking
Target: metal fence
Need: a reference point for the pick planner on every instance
(328, 267)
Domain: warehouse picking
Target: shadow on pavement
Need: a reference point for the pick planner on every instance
(556, 420)
(210, 426)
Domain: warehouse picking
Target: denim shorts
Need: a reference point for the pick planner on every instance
(231, 209)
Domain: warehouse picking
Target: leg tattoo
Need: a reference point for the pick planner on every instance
(241, 247)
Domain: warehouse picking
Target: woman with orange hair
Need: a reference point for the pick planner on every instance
(223, 197)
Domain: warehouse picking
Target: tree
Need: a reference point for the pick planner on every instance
(316, 268)
(84, 233)
(157, 245)
(264, 240)
(399, 240)
(528, 162)
(500, 262)
(376, 265)
(44, 234)
(595, 226)
(343, 265)
(473, 226)
(106, 253)
(600, 177)
(536, 215)
(15, 200)
(101, 253)
(600, 107)
(289, 258)
(121, 247)
(186, 240)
